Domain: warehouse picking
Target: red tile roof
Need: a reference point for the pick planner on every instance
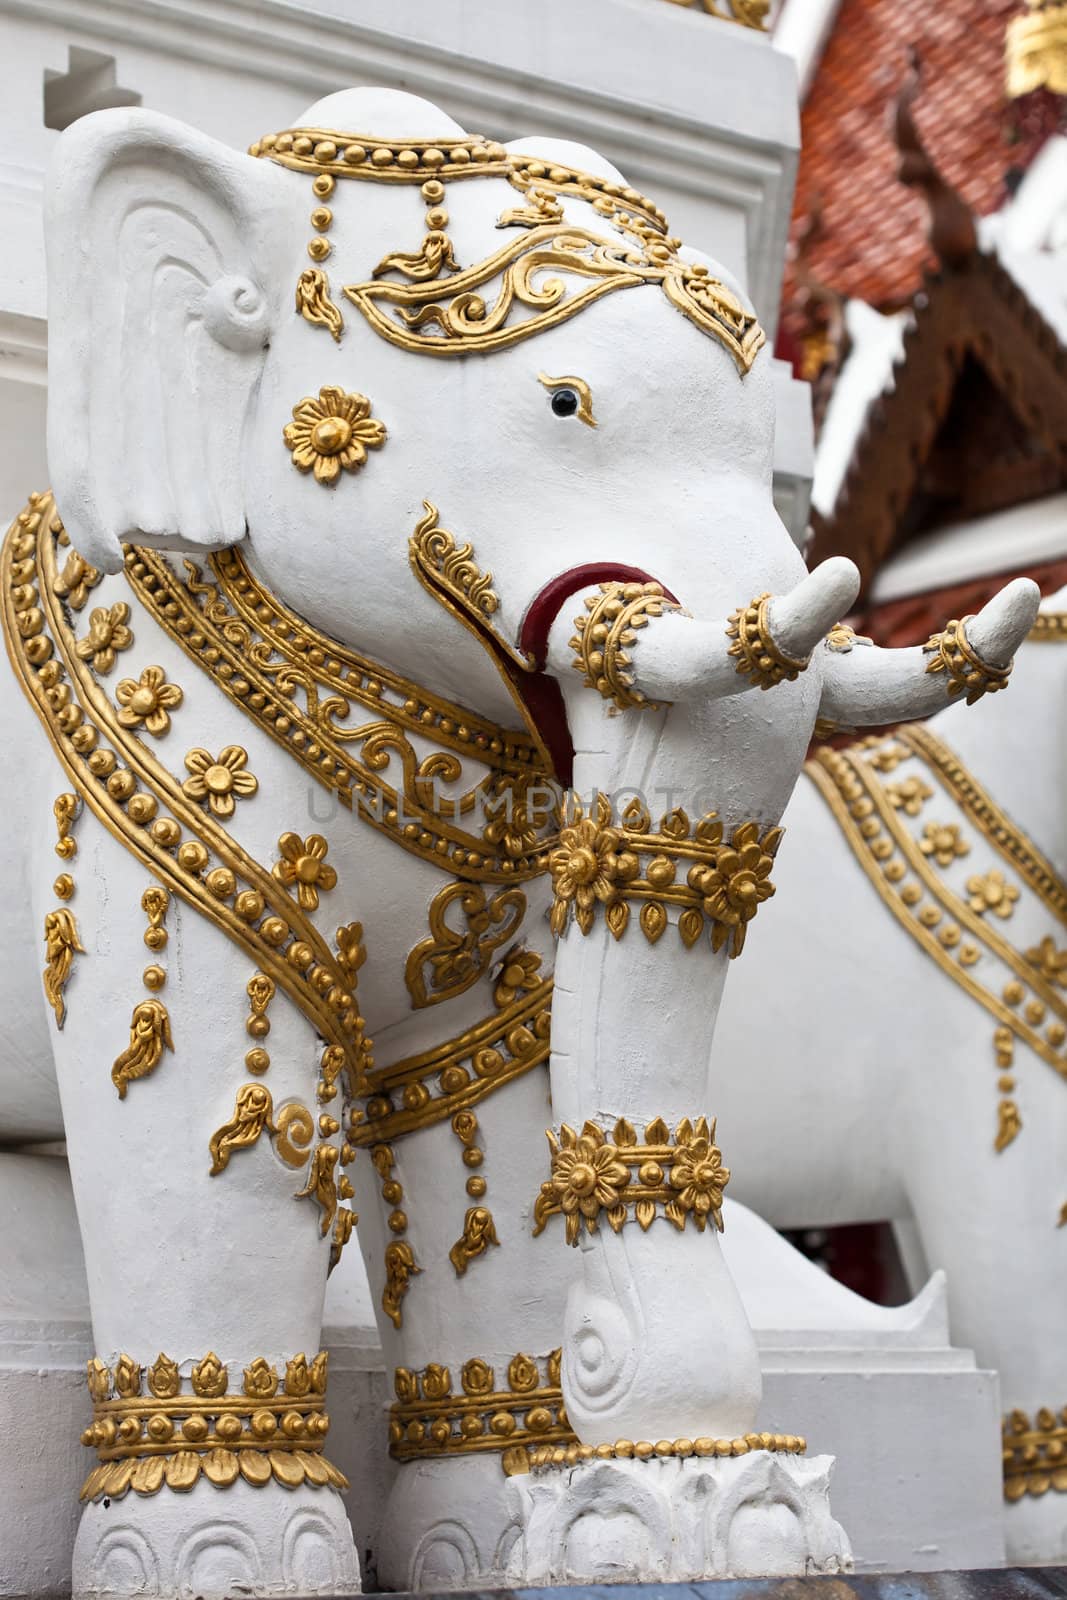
(872, 239)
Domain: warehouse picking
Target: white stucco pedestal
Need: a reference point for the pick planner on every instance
(671, 1520)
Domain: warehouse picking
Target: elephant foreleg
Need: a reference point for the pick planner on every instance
(207, 1219)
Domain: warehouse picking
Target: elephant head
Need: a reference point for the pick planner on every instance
(301, 346)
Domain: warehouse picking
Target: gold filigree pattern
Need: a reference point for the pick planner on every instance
(1035, 1453)
(452, 959)
(443, 565)
(428, 1419)
(1050, 961)
(966, 673)
(842, 638)
(150, 1035)
(603, 639)
(1019, 851)
(599, 863)
(332, 434)
(145, 808)
(465, 1127)
(681, 1179)
(421, 1090)
(301, 687)
(61, 945)
(1009, 1124)
(169, 1438)
(757, 655)
(417, 318)
(909, 795)
(1020, 991)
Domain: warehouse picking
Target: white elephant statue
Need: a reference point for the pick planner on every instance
(300, 626)
(930, 881)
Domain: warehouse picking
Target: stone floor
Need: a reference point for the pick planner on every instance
(1012, 1583)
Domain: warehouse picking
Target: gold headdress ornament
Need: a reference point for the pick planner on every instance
(541, 278)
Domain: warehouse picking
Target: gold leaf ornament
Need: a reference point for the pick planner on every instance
(314, 303)
(148, 701)
(321, 1185)
(303, 867)
(332, 434)
(585, 868)
(400, 1268)
(479, 1232)
(76, 579)
(681, 1179)
(733, 890)
(164, 1379)
(219, 782)
(150, 1035)
(108, 634)
(209, 1377)
(452, 959)
(61, 944)
(251, 1114)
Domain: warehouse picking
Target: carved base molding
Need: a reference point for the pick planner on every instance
(671, 1519)
(265, 1542)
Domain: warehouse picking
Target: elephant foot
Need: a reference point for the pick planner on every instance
(448, 1525)
(210, 1543)
(666, 1519)
(1035, 1530)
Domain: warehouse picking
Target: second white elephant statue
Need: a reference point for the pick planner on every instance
(929, 876)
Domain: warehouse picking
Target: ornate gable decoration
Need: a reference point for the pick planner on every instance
(976, 419)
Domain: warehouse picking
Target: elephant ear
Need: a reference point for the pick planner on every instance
(167, 261)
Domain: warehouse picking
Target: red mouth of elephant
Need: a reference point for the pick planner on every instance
(541, 694)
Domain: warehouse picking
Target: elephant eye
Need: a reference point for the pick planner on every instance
(570, 397)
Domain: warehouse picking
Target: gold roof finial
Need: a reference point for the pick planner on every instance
(1036, 49)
